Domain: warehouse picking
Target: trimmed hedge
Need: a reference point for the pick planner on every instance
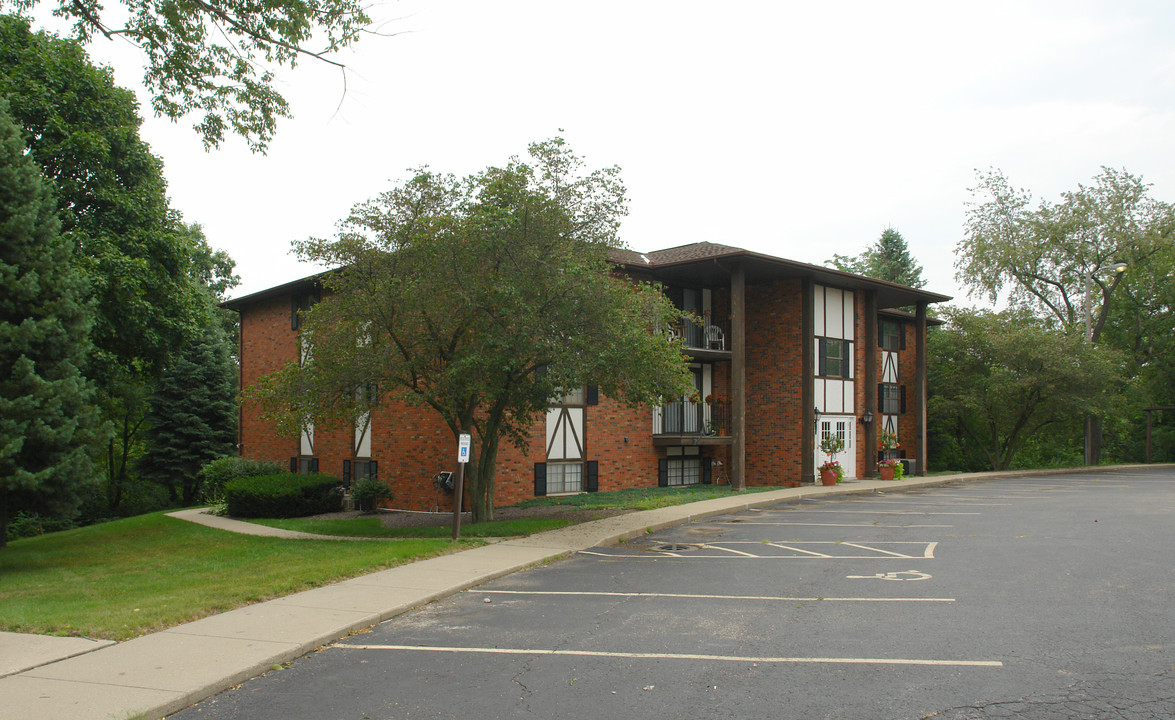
(283, 495)
(217, 473)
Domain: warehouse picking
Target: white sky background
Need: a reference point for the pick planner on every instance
(797, 129)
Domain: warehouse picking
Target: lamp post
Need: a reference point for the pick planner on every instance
(1092, 427)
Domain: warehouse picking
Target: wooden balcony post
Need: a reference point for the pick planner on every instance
(738, 377)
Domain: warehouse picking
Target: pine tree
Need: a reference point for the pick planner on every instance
(887, 259)
(47, 419)
(192, 418)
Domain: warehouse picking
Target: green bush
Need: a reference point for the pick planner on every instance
(217, 473)
(28, 524)
(369, 492)
(283, 495)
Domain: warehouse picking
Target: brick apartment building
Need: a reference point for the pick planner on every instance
(786, 353)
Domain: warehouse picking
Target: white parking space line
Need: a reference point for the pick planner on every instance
(869, 525)
(546, 652)
(697, 551)
(698, 596)
(912, 501)
(882, 512)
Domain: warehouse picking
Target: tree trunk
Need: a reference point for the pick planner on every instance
(3, 523)
(481, 497)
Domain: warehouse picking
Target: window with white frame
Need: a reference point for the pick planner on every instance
(835, 358)
(564, 477)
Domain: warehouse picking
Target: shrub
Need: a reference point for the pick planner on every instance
(217, 473)
(369, 492)
(283, 495)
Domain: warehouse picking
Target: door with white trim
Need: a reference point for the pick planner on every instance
(844, 426)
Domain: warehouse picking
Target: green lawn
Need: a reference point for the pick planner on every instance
(125, 578)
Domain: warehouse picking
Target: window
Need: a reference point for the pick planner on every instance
(891, 398)
(890, 335)
(564, 478)
(835, 359)
(684, 471)
(301, 303)
(304, 465)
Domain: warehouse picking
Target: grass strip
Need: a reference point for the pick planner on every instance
(641, 498)
(372, 527)
(124, 578)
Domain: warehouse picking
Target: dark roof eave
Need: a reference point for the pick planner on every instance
(306, 283)
(769, 265)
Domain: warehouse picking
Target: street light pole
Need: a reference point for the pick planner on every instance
(1090, 421)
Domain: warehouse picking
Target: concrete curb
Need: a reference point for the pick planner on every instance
(162, 673)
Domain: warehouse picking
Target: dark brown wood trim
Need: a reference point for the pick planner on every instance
(808, 385)
(920, 388)
(872, 357)
(738, 377)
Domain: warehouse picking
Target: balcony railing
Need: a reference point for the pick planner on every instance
(704, 334)
(683, 417)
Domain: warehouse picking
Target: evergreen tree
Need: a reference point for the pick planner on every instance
(46, 412)
(193, 415)
(888, 259)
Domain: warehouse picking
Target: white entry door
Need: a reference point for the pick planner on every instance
(846, 427)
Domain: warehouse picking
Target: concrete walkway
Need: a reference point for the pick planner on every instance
(162, 673)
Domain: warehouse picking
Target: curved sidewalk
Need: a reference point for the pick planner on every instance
(162, 673)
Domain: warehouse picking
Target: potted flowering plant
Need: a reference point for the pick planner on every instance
(831, 472)
(888, 440)
(891, 469)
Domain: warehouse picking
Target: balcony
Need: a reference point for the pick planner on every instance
(683, 422)
(703, 339)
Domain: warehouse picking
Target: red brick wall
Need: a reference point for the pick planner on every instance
(267, 344)
(774, 383)
(412, 443)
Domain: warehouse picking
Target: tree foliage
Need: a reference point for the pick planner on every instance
(1042, 256)
(999, 380)
(215, 59)
(46, 419)
(481, 297)
(149, 274)
(192, 416)
(888, 259)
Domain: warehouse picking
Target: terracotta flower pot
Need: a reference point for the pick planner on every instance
(828, 477)
(886, 472)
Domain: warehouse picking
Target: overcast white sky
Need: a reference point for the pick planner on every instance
(798, 129)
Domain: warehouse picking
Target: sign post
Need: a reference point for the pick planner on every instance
(464, 445)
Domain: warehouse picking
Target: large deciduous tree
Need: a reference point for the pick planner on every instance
(46, 419)
(998, 380)
(887, 259)
(1043, 256)
(215, 59)
(1049, 257)
(483, 298)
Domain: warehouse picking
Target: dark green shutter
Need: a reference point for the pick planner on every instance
(294, 312)
(881, 398)
(593, 395)
(347, 473)
(663, 472)
(313, 465)
(293, 464)
(707, 471)
(591, 476)
(823, 369)
(903, 399)
(372, 470)
(540, 479)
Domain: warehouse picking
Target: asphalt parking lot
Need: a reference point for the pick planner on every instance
(1034, 597)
